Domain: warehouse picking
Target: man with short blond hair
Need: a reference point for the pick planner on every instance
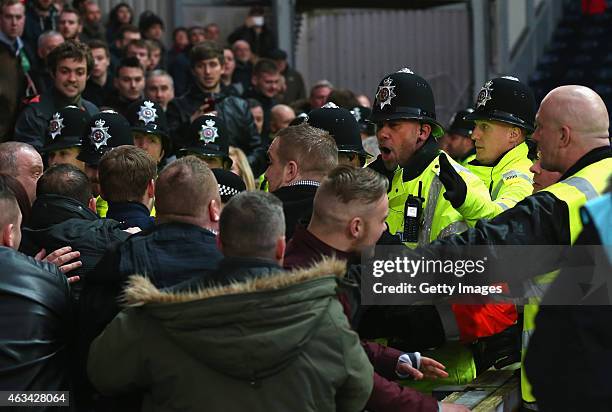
(298, 159)
(348, 216)
(127, 182)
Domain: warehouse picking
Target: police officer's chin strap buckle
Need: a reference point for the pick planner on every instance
(413, 211)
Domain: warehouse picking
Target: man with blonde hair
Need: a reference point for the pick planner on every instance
(298, 159)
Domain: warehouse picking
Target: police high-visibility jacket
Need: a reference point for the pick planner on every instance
(576, 190)
(549, 217)
(438, 217)
(509, 181)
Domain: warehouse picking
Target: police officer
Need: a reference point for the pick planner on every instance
(404, 113)
(343, 127)
(457, 141)
(573, 139)
(105, 131)
(504, 117)
(64, 134)
(150, 129)
(229, 184)
(209, 141)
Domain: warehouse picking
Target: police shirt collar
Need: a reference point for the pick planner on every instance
(421, 159)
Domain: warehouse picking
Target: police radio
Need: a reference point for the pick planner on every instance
(413, 209)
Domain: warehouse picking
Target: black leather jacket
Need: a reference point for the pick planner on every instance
(36, 325)
(235, 113)
(33, 122)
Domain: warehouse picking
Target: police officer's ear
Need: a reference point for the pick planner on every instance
(424, 132)
(515, 135)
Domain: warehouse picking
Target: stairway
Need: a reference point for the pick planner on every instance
(580, 52)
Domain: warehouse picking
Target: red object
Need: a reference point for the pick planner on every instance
(479, 321)
(590, 7)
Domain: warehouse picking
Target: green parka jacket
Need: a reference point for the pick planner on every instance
(274, 343)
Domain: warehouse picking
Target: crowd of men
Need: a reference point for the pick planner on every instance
(183, 228)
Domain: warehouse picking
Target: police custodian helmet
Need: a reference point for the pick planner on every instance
(342, 126)
(105, 131)
(405, 95)
(66, 129)
(460, 126)
(208, 137)
(506, 99)
(146, 116)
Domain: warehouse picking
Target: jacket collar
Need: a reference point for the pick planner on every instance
(141, 291)
(591, 157)
(49, 210)
(196, 92)
(11, 43)
(61, 101)
(513, 155)
(421, 159)
(127, 210)
(304, 241)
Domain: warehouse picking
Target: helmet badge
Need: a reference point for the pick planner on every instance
(208, 134)
(56, 125)
(330, 105)
(147, 113)
(485, 94)
(405, 70)
(99, 135)
(385, 93)
(356, 112)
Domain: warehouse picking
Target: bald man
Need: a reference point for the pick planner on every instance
(24, 163)
(281, 116)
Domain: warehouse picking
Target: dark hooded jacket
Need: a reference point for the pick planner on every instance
(273, 343)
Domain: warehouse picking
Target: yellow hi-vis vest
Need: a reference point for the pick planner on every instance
(102, 207)
(439, 218)
(509, 182)
(575, 191)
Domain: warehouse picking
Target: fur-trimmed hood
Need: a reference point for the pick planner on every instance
(140, 290)
(247, 330)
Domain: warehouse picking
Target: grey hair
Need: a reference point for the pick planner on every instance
(8, 156)
(46, 35)
(158, 73)
(250, 225)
